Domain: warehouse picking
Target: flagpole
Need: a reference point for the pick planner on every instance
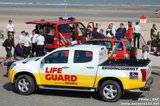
(65, 8)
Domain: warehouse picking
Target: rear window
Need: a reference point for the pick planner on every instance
(82, 56)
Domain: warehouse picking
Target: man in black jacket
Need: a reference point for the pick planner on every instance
(8, 44)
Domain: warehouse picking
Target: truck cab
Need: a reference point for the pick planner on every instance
(59, 32)
(80, 68)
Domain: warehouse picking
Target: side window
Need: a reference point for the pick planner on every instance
(64, 28)
(81, 29)
(46, 29)
(57, 57)
(82, 56)
(118, 46)
(128, 45)
(49, 30)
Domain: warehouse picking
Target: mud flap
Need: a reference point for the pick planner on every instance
(148, 84)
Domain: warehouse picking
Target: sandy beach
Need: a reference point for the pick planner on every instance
(99, 14)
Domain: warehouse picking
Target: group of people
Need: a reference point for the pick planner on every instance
(155, 39)
(28, 45)
(33, 45)
(131, 33)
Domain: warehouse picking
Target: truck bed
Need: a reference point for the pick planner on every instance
(135, 63)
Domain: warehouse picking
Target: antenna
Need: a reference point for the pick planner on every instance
(65, 8)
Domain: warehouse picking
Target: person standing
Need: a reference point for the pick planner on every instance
(96, 34)
(33, 40)
(21, 38)
(113, 29)
(137, 35)
(145, 52)
(27, 44)
(8, 44)
(11, 34)
(40, 40)
(154, 32)
(10, 27)
(129, 32)
(109, 31)
(120, 31)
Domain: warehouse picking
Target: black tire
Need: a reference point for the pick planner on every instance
(30, 84)
(116, 91)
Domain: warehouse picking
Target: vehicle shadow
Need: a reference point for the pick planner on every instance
(9, 87)
(130, 95)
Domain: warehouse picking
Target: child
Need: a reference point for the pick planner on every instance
(145, 52)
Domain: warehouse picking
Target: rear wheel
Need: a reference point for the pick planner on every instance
(25, 85)
(110, 91)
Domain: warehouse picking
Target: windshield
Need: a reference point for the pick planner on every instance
(128, 45)
(29, 59)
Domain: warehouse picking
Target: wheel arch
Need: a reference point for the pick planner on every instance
(110, 78)
(25, 73)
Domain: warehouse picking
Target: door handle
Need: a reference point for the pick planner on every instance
(90, 67)
(65, 67)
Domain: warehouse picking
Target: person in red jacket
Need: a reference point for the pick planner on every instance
(129, 32)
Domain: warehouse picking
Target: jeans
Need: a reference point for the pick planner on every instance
(9, 53)
(136, 39)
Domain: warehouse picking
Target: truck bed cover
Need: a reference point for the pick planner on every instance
(135, 63)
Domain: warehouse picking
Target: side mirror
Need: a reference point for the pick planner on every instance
(42, 63)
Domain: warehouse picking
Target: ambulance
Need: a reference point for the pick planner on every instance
(81, 68)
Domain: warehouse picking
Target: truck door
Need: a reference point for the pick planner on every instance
(119, 50)
(55, 69)
(84, 68)
(64, 35)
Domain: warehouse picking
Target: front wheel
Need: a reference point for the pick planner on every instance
(25, 85)
(110, 91)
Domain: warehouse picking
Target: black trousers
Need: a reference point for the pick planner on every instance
(136, 40)
(27, 51)
(34, 48)
(40, 50)
(9, 53)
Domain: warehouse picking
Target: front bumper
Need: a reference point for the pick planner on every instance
(11, 74)
(148, 84)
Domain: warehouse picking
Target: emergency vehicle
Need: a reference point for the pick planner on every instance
(59, 32)
(123, 51)
(80, 68)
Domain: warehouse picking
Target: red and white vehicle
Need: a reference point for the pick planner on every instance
(123, 51)
(58, 32)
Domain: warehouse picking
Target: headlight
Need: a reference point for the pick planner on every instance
(12, 65)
